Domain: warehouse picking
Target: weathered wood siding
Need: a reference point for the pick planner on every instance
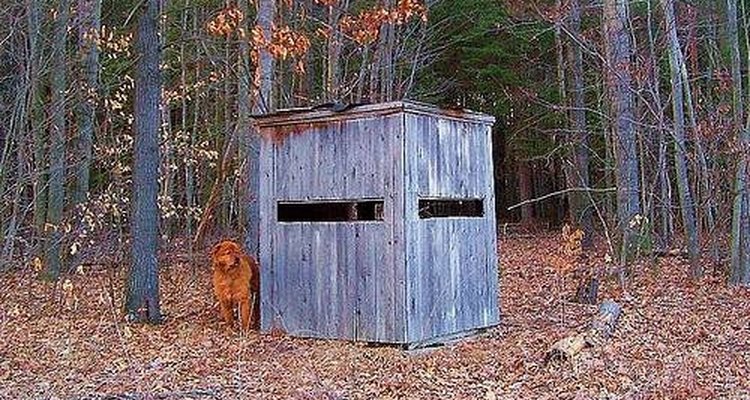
(335, 279)
(400, 280)
(451, 263)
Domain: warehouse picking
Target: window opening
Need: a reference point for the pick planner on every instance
(444, 208)
(330, 211)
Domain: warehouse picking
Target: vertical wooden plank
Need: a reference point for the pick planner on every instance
(389, 279)
(493, 275)
(342, 314)
(267, 214)
(275, 310)
(315, 283)
(453, 314)
(398, 245)
(414, 156)
(366, 287)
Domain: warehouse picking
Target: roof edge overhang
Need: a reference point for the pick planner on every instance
(296, 116)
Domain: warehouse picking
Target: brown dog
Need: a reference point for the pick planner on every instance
(236, 284)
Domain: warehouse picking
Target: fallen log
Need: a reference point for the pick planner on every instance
(599, 331)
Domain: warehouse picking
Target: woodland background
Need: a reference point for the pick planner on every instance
(626, 118)
(127, 147)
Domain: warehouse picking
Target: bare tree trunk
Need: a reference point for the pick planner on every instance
(580, 207)
(142, 301)
(740, 261)
(618, 68)
(56, 200)
(526, 192)
(388, 30)
(665, 221)
(190, 178)
(244, 104)
(333, 68)
(703, 173)
(676, 61)
(184, 105)
(263, 103)
(39, 181)
(88, 32)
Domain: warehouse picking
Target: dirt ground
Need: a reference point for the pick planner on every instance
(676, 339)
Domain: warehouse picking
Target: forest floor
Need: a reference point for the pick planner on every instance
(676, 339)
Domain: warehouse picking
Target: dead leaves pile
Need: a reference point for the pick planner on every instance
(676, 339)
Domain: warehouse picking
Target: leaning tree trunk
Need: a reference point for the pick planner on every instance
(687, 206)
(142, 302)
(56, 200)
(618, 68)
(263, 103)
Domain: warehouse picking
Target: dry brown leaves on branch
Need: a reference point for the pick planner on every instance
(225, 22)
(676, 340)
(364, 27)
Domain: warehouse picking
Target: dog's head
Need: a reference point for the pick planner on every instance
(226, 256)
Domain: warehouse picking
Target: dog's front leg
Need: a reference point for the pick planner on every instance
(226, 312)
(245, 315)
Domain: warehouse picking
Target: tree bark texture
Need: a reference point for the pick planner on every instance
(88, 32)
(142, 302)
(618, 73)
(580, 203)
(58, 133)
(687, 207)
(263, 103)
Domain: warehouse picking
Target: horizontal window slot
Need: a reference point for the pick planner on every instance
(330, 211)
(446, 208)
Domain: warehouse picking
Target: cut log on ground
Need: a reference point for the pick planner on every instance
(600, 330)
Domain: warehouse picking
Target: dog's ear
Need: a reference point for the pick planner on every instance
(216, 249)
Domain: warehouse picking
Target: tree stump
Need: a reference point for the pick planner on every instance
(587, 291)
(599, 331)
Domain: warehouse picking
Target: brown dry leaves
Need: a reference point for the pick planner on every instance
(676, 339)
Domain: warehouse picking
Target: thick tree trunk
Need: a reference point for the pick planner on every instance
(676, 61)
(58, 131)
(142, 302)
(618, 69)
(88, 32)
